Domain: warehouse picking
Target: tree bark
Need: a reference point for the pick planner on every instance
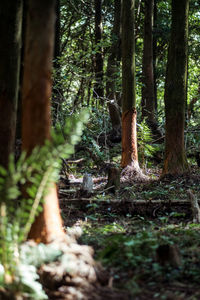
(155, 26)
(148, 105)
(57, 89)
(148, 88)
(129, 135)
(36, 123)
(10, 50)
(19, 102)
(98, 87)
(175, 90)
(113, 68)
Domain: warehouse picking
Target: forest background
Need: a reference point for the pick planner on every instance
(134, 66)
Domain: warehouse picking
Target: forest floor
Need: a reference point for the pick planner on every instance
(143, 235)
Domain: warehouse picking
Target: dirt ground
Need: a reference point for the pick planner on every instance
(143, 234)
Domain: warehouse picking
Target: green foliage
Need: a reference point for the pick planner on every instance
(145, 149)
(129, 248)
(22, 190)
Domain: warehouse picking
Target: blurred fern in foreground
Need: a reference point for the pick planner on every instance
(30, 176)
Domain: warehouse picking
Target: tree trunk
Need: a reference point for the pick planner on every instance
(175, 90)
(129, 135)
(112, 68)
(148, 97)
(155, 26)
(10, 50)
(57, 89)
(19, 102)
(98, 67)
(37, 86)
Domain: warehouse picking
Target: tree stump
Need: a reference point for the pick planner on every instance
(87, 185)
(113, 182)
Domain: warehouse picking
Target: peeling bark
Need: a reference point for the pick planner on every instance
(129, 138)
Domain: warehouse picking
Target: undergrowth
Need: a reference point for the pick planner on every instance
(128, 248)
(22, 190)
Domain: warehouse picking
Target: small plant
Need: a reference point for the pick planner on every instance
(145, 149)
(31, 176)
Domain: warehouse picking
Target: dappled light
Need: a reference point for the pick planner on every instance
(99, 150)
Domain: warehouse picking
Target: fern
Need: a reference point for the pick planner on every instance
(31, 176)
(145, 149)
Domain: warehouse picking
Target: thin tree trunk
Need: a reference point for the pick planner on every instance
(37, 86)
(10, 50)
(129, 136)
(112, 68)
(19, 102)
(175, 90)
(155, 26)
(148, 105)
(98, 87)
(148, 88)
(57, 89)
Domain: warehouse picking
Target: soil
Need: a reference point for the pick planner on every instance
(152, 200)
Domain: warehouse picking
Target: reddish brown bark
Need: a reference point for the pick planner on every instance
(129, 139)
(37, 86)
(129, 133)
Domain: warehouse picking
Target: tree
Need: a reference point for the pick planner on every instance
(113, 68)
(10, 50)
(148, 87)
(148, 105)
(129, 136)
(36, 104)
(175, 90)
(98, 67)
(155, 28)
(57, 90)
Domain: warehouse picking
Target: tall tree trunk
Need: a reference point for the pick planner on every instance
(98, 87)
(57, 90)
(155, 26)
(19, 102)
(112, 68)
(148, 101)
(10, 50)
(37, 85)
(175, 90)
(129, 135)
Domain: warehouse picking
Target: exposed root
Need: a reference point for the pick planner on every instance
(76, 275)
(133, 173)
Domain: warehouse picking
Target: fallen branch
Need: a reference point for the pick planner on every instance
(135, 202)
